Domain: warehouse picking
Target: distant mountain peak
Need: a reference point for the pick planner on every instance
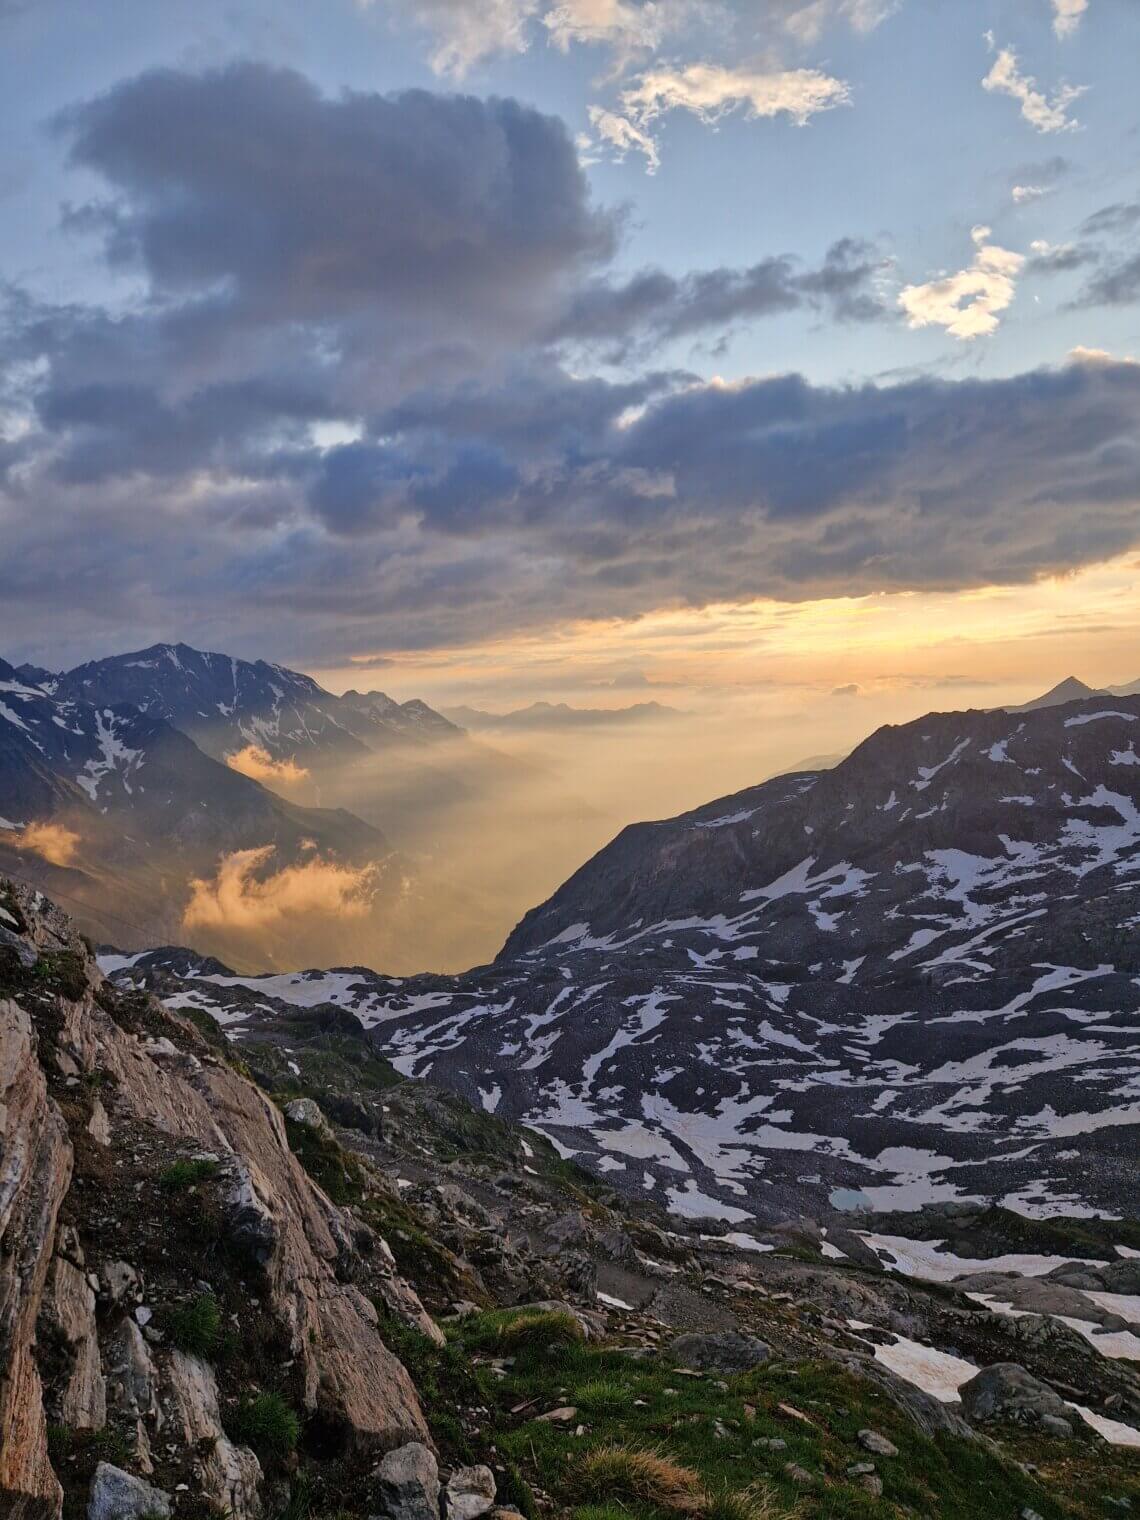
(1069, 690)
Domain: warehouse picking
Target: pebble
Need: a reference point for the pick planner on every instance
(871, 1440)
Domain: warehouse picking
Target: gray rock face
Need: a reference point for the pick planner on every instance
(470, 1492)
(119, 1495)
(407, 1484)
(1010, 1394)
(720, 1351)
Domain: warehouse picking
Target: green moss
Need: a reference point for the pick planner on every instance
(62, 972)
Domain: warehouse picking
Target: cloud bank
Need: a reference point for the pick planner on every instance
(357, 389)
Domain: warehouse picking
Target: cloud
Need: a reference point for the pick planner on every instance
(1022, 194)
(776, 487)
(967, 304)
(623, 136)
(655, 305)
(53, 842)
(259, 764)
(1117, 285)
(1058, 258)
(240, 897)
(711, 91)
(1043, 113)
(1067, 15)
(1121, 217)
(412, 210)
(466, 33)
(852, 689)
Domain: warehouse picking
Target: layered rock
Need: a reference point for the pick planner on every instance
(98, 1104)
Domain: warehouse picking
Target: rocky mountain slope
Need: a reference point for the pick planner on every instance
(268, 1277)
(913, 977)
(225, 704)
(135, 811)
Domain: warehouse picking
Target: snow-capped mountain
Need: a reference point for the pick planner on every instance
(915, 976)
(125, 810)
(226, 704)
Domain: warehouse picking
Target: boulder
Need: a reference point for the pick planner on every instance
(1008, 1393)
(119, 1495)
(407, 1484)
(719, 1351)
(470, 1492)
(871, 1440)
(307, 1113)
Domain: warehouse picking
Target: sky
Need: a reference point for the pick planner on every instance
(778, 358)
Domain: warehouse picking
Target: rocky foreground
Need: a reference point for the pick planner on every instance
(275, 1279)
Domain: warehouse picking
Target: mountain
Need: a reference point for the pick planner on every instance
(223, 1263)
(913, 977)
(122, 812)
(1068, 690)
(560, 715)
(1131, 689)
(226, 704)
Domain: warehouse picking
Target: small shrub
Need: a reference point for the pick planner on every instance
(184, 1174)
(641, 1475)
(196, 1327)
(600, 1512)
(602, 1396)
(266, 1423)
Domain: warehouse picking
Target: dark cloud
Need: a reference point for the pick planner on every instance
(1116, 285)
(246, 179)
(653, 305)
(400, 265)
(1123, 216)
(1064, 258)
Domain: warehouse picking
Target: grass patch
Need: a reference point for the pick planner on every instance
(196, 1327)
(513, 1331)
(602, 1396)
(180, 1175)
(642, 1475)
(266, 1423)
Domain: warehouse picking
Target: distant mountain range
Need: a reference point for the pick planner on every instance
(225, 704)
(559, 715)
(1072, 690)
(912, 977)
(115, 797)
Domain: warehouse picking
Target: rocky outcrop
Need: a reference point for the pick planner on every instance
(34, 1176)
(100, 1354)
(725, 1351)
(1010, 1395)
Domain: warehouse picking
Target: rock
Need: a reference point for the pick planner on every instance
(565, 1415)
(719, 1351)
(407, 1484)
(120, 1283)
(799, 1475)
(873, 1485)
(860, 1469)
(470, 1492)
(307, 1113)
(35, 1171)
(871, 1440)
(1030, 1514)
(70, 1307)
(1008, 1393)
(229, 1475)
(119, 1495)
